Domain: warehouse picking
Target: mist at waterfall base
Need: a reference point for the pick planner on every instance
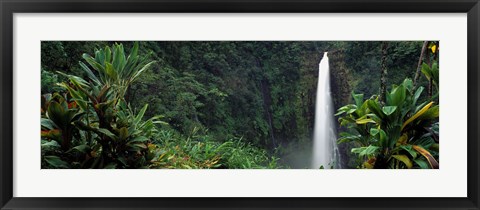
(325, 151)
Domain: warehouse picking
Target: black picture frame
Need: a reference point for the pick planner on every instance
(9, 7)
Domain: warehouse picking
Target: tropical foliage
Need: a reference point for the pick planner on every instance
(400, 132)
(233, 104)
(396, 134)
(92, 126)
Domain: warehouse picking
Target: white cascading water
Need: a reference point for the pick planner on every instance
(325, 151)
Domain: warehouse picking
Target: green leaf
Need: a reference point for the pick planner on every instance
(374, 131)
(140, 139)
(56, 113)
(111, 166)
(417, 114)
(358, 99)
(365, 151)
(426, 71)
(107, 133)
(47, 123)
(374, 106)
(432, 113)
(49, 146)
(140, 114)
(417, 94)
(408, 83)
(431, 160)
(383, 138)
(404, 159)
(421, 163)
(81, 148)
(350, 108)
(56, 162)
(364, 121)
(108, 54)
(90, 74)
(78, 97)
(93, 63)
(388, 110)
(118, 58)
(410, 150)
(123, 133)
(146, 67)
(397, 96)
(110, 71)
(349, 138)
(435, 72)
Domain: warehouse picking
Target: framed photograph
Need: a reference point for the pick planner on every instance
(239, 104)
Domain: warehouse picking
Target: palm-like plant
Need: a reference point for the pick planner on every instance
(394, 135)
(108, 133)
(114, 68)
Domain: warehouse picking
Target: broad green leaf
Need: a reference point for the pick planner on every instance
(49, 145)
(404, 159)
(410, 150)
(90, 74)
(418, 114)
(349, 138)
(435, 147)
(90, 60)
(81, 148)
(358, 99)
(375, 108)
(350, 108)
(56, 113)
(432, 113)
(383, 138)
(435, 72)
(47, 123)
(123, 134)
(119, 58)
(431, 160)
(388, 110)
(107, 133)
(417, 94)
(365, 121)
(426, 71)
(56, 162)
(402, 140)
(397, 96)
(108, 54)
(421, 163)
(111, 72)
(408, 83)
(111, 166)
(365, 151)
(374, 131)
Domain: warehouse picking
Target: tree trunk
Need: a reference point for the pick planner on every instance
(429, 63)
(383, 74)
(419, 65)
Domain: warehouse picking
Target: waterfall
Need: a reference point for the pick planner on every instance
(325, 151)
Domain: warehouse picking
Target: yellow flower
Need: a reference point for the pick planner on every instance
(433, 48)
